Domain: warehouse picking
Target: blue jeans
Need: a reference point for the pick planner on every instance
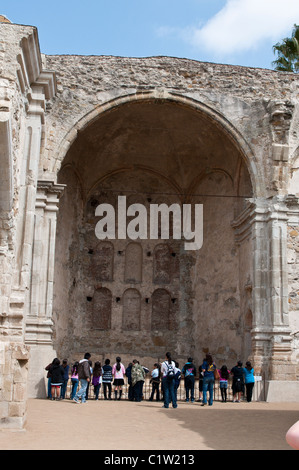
(208, 385)
(75, 383)
(49, 392)
(169, 392)
(96, 391)
(64, 388)
(82, 392)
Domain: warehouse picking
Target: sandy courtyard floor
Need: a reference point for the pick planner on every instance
(124, 425)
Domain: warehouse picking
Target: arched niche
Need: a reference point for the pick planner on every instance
(165, 264)
(133, 263)
(102, 262)
(160, 310)
(162, 265)
(101, 309)
(131, 310)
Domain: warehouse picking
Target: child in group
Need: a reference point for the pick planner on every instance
(189, 373)
(155, 381)
(249, 380)
(65, 379)
(57, 376)
(177, 377)
(88, 383)
(223, 382)
(238, 381)
(118, 372)
(107, 379)
(200, 383)
(74, 379)
(97, 379)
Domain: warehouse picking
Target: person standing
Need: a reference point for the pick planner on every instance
(88, 383)
(200, 383)
(107, 379)
(118, 372)
(129, 377)
(168, 381)
(48, 369)
(155, 381)
(177, 379)
(74, 379)
(238, 381)
(189, 373)
(65, 379)
(97, 379)
(138, 377)
(249, 380)
(57, 375)
(223, 382)
(208, 369)
(84, 376)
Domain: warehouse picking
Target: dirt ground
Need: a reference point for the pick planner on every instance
(125, 425)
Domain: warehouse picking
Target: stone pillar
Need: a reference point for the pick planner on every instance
(6, 204)
(42, 87)
(271, 334)
(31, 157)
(24, 91)
(14, 354)
(39, 323)
(267, 221)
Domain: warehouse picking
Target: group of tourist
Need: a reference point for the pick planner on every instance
(167, 374)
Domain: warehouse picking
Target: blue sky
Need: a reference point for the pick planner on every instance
(238, 32)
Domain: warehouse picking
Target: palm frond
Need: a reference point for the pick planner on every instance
(287, 53)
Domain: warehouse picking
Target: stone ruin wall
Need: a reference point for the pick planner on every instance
(261, 104)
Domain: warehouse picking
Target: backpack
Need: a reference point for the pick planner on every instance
(170, 371)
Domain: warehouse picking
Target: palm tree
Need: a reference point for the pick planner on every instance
(288, 53)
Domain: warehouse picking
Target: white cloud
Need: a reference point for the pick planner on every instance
(241, 25)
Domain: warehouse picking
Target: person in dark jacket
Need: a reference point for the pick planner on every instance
(49, 380)
(57, 376)
(189, 373)
(65, 378)
(129, 377)
(84, 375)
(107, 379)
(238, 381)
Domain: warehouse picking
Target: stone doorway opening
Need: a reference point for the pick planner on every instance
(141, 298)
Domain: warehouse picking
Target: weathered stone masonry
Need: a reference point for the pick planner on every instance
(78, 130)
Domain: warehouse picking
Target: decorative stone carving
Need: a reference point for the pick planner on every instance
(280, 120)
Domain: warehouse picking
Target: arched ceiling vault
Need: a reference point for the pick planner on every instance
(171, 140)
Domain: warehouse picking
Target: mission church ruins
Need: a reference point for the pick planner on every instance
(80, 131)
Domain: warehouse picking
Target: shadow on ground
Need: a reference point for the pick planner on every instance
(237, 429)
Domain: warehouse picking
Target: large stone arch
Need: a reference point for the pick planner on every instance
(162, 96)
(48, 104)
(160, 159)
